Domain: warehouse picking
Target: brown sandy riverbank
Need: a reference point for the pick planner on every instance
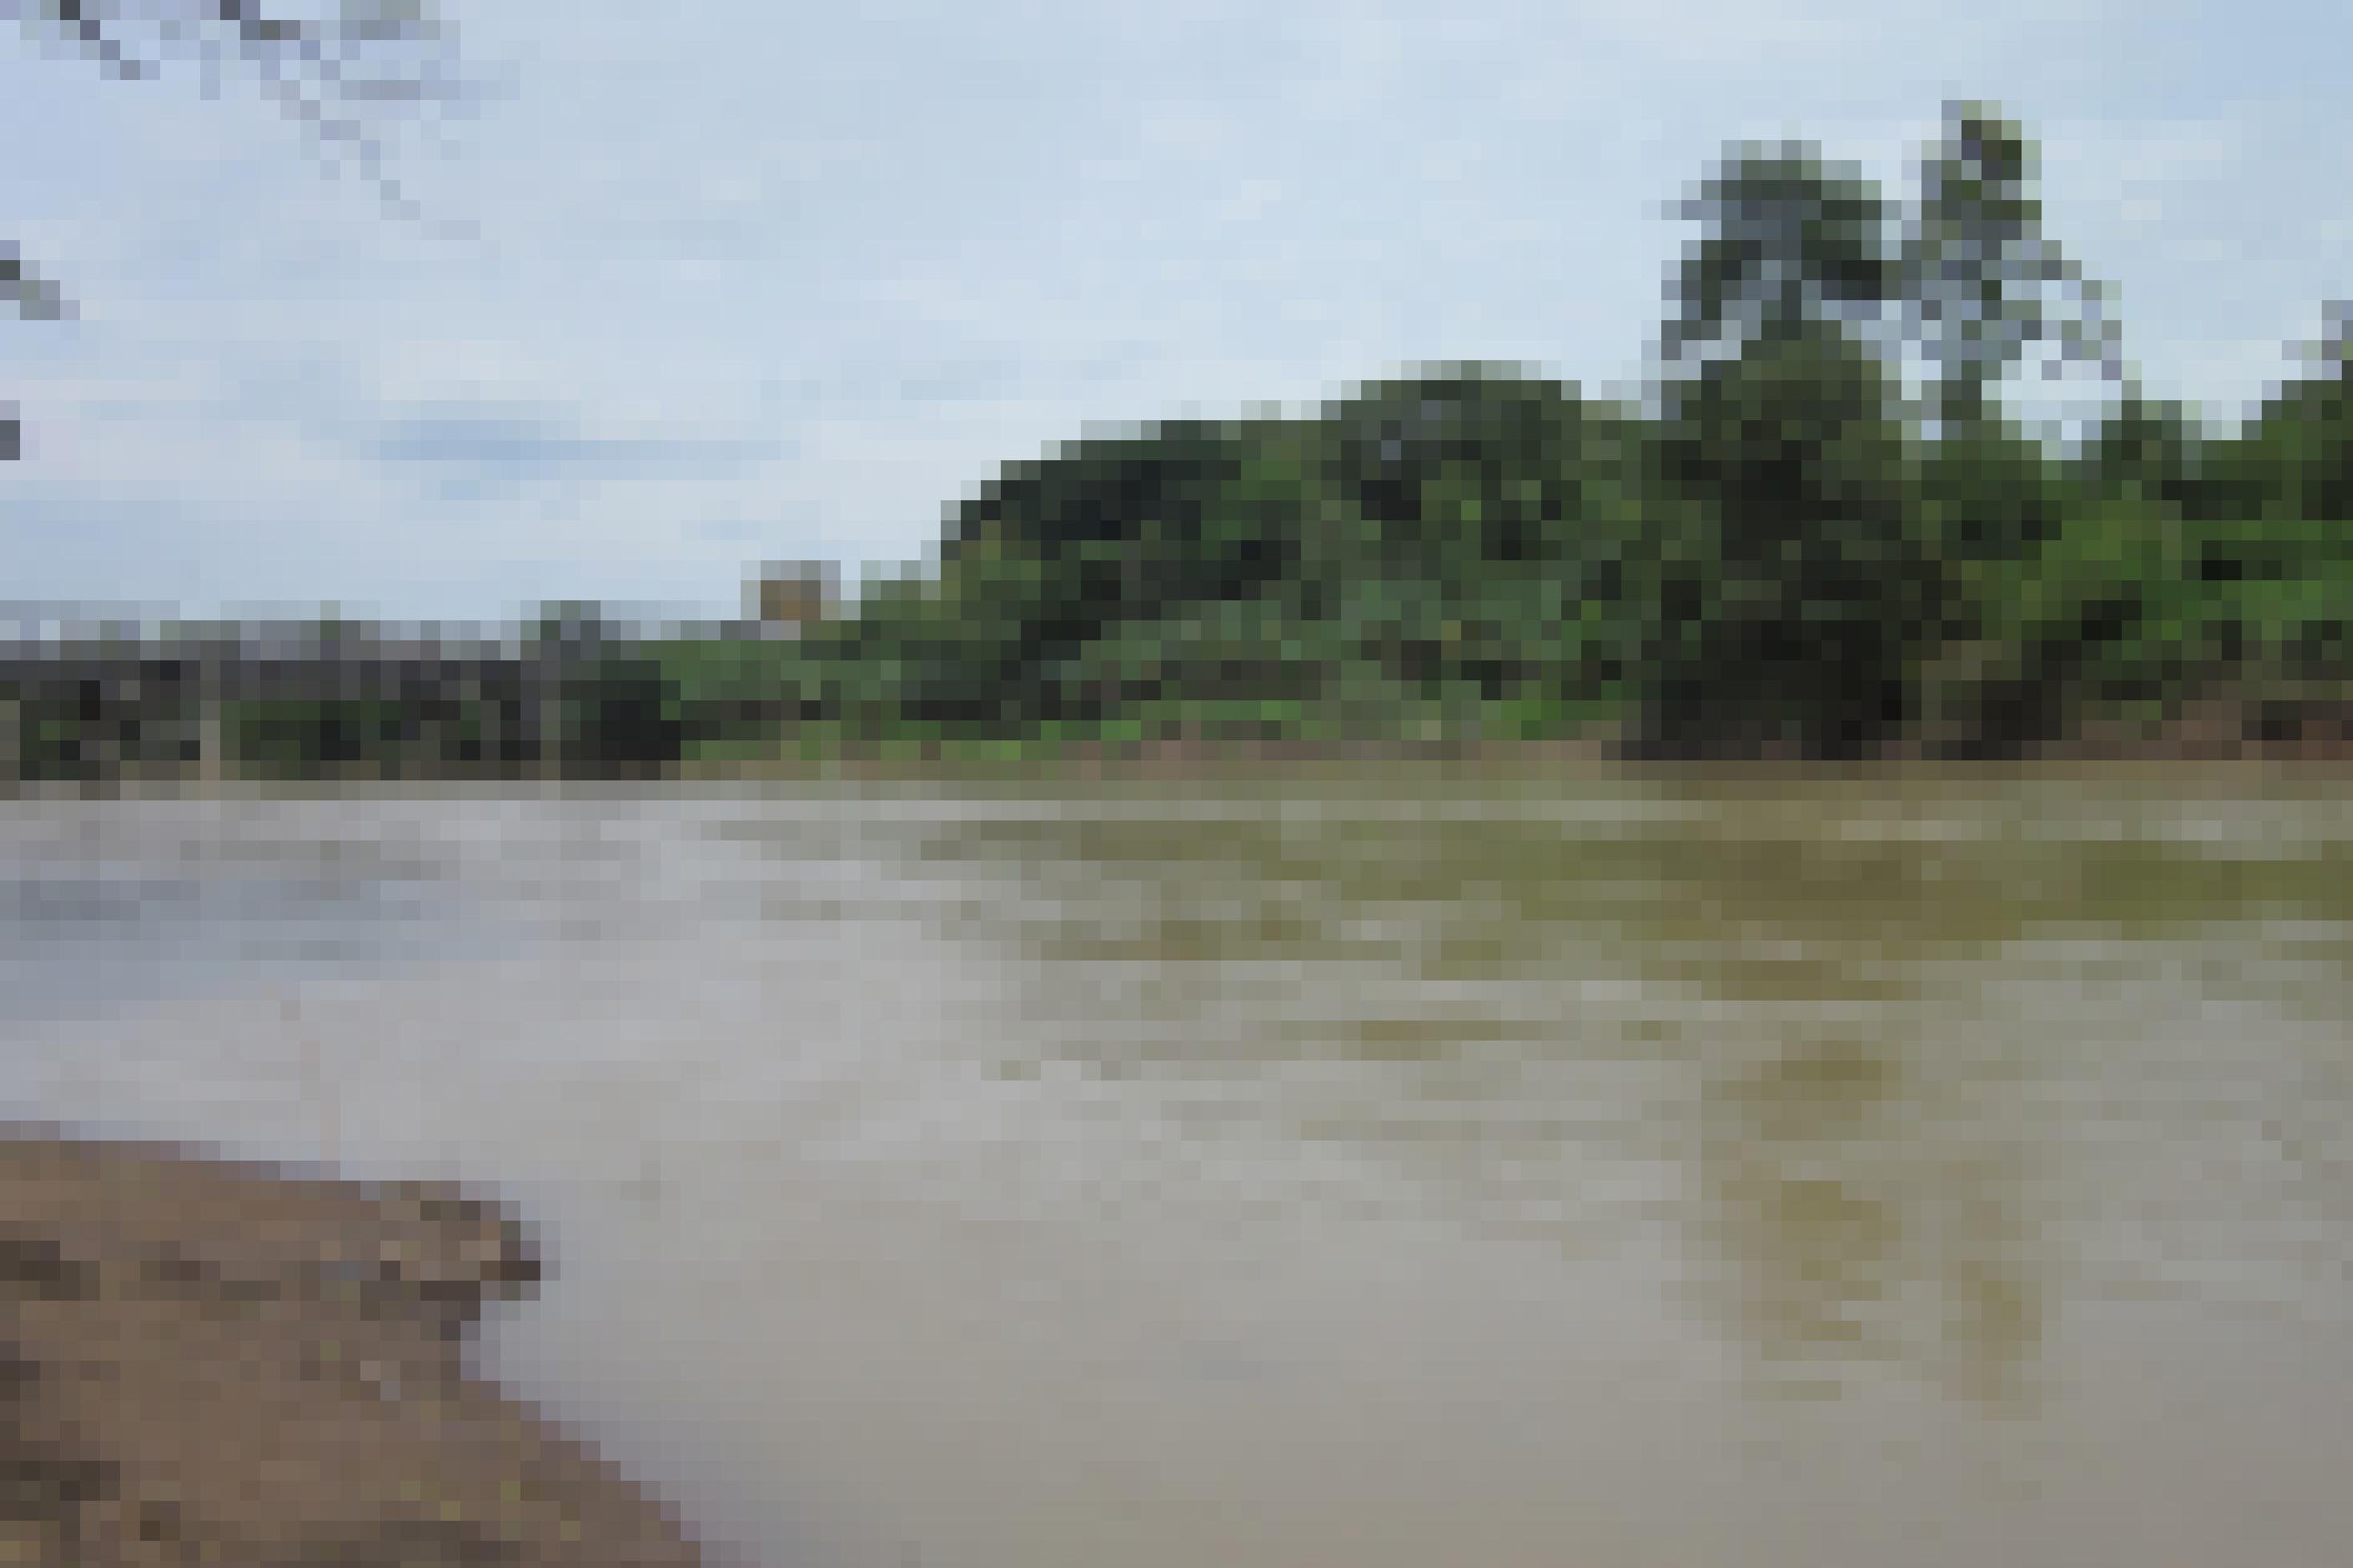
(207, 1361)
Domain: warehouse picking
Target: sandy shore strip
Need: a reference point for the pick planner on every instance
(209, 1362)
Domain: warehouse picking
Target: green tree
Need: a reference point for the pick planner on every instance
(1976, 273)
(607, 703)
(1475, 545)
(1785, 433)
(2297, 456)
(1803, 597)
(1815, 601)
(1787, 242)
(2147, 450)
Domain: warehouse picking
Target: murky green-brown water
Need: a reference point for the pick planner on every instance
(1366, 1167)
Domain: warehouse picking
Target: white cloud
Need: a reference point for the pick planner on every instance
(925, 243)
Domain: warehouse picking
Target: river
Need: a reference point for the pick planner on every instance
(1340, 1165)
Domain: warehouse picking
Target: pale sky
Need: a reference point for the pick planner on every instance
(750, 280)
